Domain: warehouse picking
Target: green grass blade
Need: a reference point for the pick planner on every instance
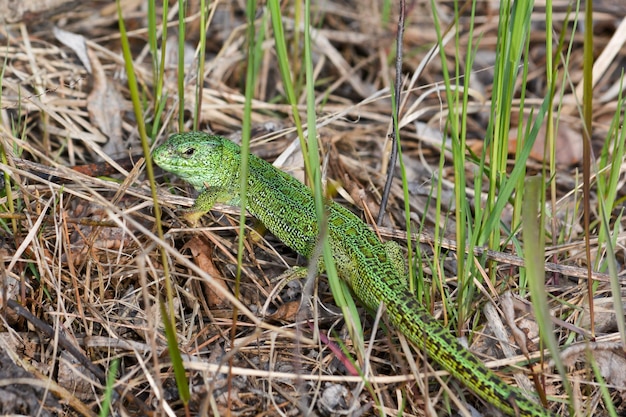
(105, 408)
(175, 356)
(141, 127)
(181, 64)
(534, 245)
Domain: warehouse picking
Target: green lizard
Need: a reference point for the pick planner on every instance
(286, 207)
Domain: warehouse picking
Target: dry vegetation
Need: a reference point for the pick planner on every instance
(80, 257)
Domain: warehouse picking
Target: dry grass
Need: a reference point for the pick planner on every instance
(79, 253)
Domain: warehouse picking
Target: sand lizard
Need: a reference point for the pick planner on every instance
(285, 206)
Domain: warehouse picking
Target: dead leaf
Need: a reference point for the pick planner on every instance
(335, 399)
(286, 312)
(76, 43)
(15, 10)
(82, 238)
(568, 144)
(75, 377)
(612, 364)
(202, 254)
(105, 105)
(604, 317)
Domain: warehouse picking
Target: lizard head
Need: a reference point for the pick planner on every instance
(199, 158)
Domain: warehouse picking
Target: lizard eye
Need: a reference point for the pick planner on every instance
(187, 153)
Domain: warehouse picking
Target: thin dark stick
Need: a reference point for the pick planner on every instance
(587, 126)
(395, 115)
